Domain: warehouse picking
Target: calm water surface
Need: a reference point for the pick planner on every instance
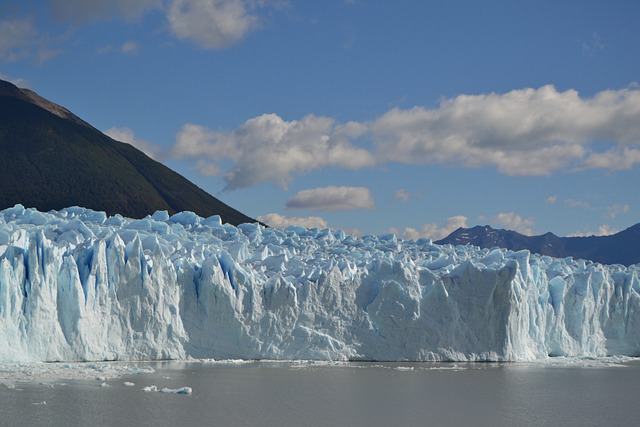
(354, 394)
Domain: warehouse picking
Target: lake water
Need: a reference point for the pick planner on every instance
(591, 393)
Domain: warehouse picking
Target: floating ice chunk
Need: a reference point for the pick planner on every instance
(181, 390)
(155, 389)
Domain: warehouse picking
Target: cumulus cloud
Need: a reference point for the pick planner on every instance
(433, 231)
(129, 48)
(20, 40)
(277, 220)
(402, 195)
(213, 24)
(125, 134)
(332, 198)
(269, 149)
(280, 221)
(593, 46)
(522, 132)
(603, 230)
(613, 159)
(20, 82)
(551, 200)
(616, 210)
(83, 11)
(515, 222)
(573, 203)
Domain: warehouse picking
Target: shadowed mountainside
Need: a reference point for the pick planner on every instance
(51, 159)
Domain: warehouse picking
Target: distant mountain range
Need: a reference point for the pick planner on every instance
(51, 159)
(621, 248)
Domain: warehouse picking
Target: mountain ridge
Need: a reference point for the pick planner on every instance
(620, 248)
(51, 159)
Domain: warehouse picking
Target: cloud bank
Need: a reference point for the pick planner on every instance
(271, 149)
(432, 231)
(402, 195)
(20, 40)
(280, 221)
(522, 132)
(125, 134)
(212, 24)
(209, 24)
(515, 222)
(332, 198)
(83, 11)
(529, 132)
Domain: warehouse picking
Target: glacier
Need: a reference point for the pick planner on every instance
(78, 285)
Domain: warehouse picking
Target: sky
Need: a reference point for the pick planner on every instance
(410, 116)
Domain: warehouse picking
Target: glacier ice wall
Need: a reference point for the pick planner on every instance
(78, 285)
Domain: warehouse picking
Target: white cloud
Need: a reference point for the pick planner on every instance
(279, 221)
(332, 199)
(551, 200)
(270, 149)
(83, 11)
(125, 134)
(616, 210)
(20, 82)
(573, 203)
(402, 195)
(603, 230)
(593, 46)
(129, 48)
(20, 40)
(354, 231)
(433, 231)
(15, 38)
(512, 221)
(522, 132)
(212, 24)
(615, 159)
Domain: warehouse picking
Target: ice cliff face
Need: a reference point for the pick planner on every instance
(77, 285)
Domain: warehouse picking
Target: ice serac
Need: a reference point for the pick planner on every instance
(78, 285)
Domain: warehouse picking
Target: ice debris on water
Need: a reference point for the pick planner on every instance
(181, 390)
(77, 285)
(155, 389)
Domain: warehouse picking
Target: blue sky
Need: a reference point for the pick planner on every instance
(373, 116)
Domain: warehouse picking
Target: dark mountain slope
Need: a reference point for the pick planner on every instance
(621, 248)
(51, 159)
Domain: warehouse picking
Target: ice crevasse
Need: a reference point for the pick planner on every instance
(76, 284)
